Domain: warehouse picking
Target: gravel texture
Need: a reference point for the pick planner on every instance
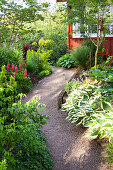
(70, 150)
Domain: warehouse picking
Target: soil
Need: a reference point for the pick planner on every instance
(70, 149)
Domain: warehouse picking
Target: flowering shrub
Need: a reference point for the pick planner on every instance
(26, 47)
(24, 83)
(22, 145)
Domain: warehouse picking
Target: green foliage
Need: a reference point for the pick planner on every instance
(80, 104)
(86, 100)
(9, 55)
(37, 63)
(103, 73)
(65, 61)
(14, 17)
(24, 84)
(44, 55)
(22, 145)
(43, 73)
(69, 87)
(58, 46)
(102, 125)
(33, 63)
(92, 105)
(81, 56)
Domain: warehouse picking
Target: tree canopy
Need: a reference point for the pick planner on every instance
(13, 17)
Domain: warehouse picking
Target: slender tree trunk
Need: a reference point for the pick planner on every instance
(96, 55)
(97, 48)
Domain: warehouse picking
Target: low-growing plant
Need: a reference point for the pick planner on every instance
(65, 61)
(102, 75)
(70, 86)
(43, 74)
(101, 124)
(85, 100)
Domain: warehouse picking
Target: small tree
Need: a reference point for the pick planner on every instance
(91, 15)
(14, 17)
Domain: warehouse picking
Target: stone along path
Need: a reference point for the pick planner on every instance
(70, 150)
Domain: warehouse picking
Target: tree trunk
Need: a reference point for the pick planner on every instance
(96, 48)
(96, 55)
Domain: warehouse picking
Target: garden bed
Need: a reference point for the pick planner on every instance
(77, 76)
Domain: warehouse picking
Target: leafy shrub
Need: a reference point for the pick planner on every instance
(58, 46)
(81, 56)
(9, 55)
(92, 47)
(22, 145)
(24, 84)
(37, 63)
(44, 55)
(33, 63)
(79, 104)
(65, 61)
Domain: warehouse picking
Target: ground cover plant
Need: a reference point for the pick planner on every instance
(91, 103)
(65, 61)
(22, 145)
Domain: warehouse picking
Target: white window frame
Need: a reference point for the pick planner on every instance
(77, 34)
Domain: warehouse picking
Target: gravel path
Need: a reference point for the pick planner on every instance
(70, 150)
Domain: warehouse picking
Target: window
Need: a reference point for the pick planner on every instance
(92, 31)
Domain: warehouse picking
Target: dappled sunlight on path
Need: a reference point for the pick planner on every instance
(70, 150)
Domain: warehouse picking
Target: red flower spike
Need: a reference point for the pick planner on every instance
(20, 67)
(7, 84)
(25, 73)
(16, 69)
(8, 67)
(13, 68)
(31, 49)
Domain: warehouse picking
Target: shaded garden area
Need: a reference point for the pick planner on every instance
(34, 56)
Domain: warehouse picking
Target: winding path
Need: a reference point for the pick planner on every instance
(70, 150)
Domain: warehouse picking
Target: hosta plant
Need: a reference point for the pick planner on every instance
(85, 100)
(65, 61)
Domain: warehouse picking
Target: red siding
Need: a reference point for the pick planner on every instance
(74, 42)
